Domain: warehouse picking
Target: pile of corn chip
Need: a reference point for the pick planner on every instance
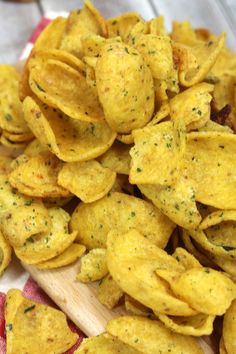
(127, 143)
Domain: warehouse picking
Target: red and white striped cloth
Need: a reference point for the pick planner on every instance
(31, 289)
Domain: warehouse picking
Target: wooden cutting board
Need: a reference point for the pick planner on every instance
(79, 300)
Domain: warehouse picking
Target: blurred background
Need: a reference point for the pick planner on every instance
(18, 19)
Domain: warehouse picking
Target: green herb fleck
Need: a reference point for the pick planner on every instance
(30, 308)
(8, 117)
(139, 169)
(176, 206)
(9, 327)
(39, 87)
(92, 128)
(228, 248)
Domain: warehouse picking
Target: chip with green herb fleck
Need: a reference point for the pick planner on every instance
(22, 336)
(105, 344)
(69, 139)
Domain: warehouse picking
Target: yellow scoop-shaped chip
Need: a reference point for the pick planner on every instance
(69, 139)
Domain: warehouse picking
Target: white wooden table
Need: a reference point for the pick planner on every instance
(18, 20)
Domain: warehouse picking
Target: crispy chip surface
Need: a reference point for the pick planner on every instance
(30, 326)
(60, 86)
(192, 105)
(105, 344)
(136, 307)
(5, 253)
(108, 292)
(177, 201)
(69, 139)
(122, 25)
(93, 266)
(229, 326)
(198, 325)
(157, 52)
(185, 258)
(24, 222)
(80, 23)
(216, 234)
(37, 177)
(40, 56)
(140, 262)
(147, 335)
(117, 158)
(10, 198)
(123, 212)
(48, 245)
(88, 180)
(155, 157)
(34, 148)
(125, 87)
(200, 288)
(210, 165)
(11, 112)
(222, 349)
(70, 255)
(197, 58)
